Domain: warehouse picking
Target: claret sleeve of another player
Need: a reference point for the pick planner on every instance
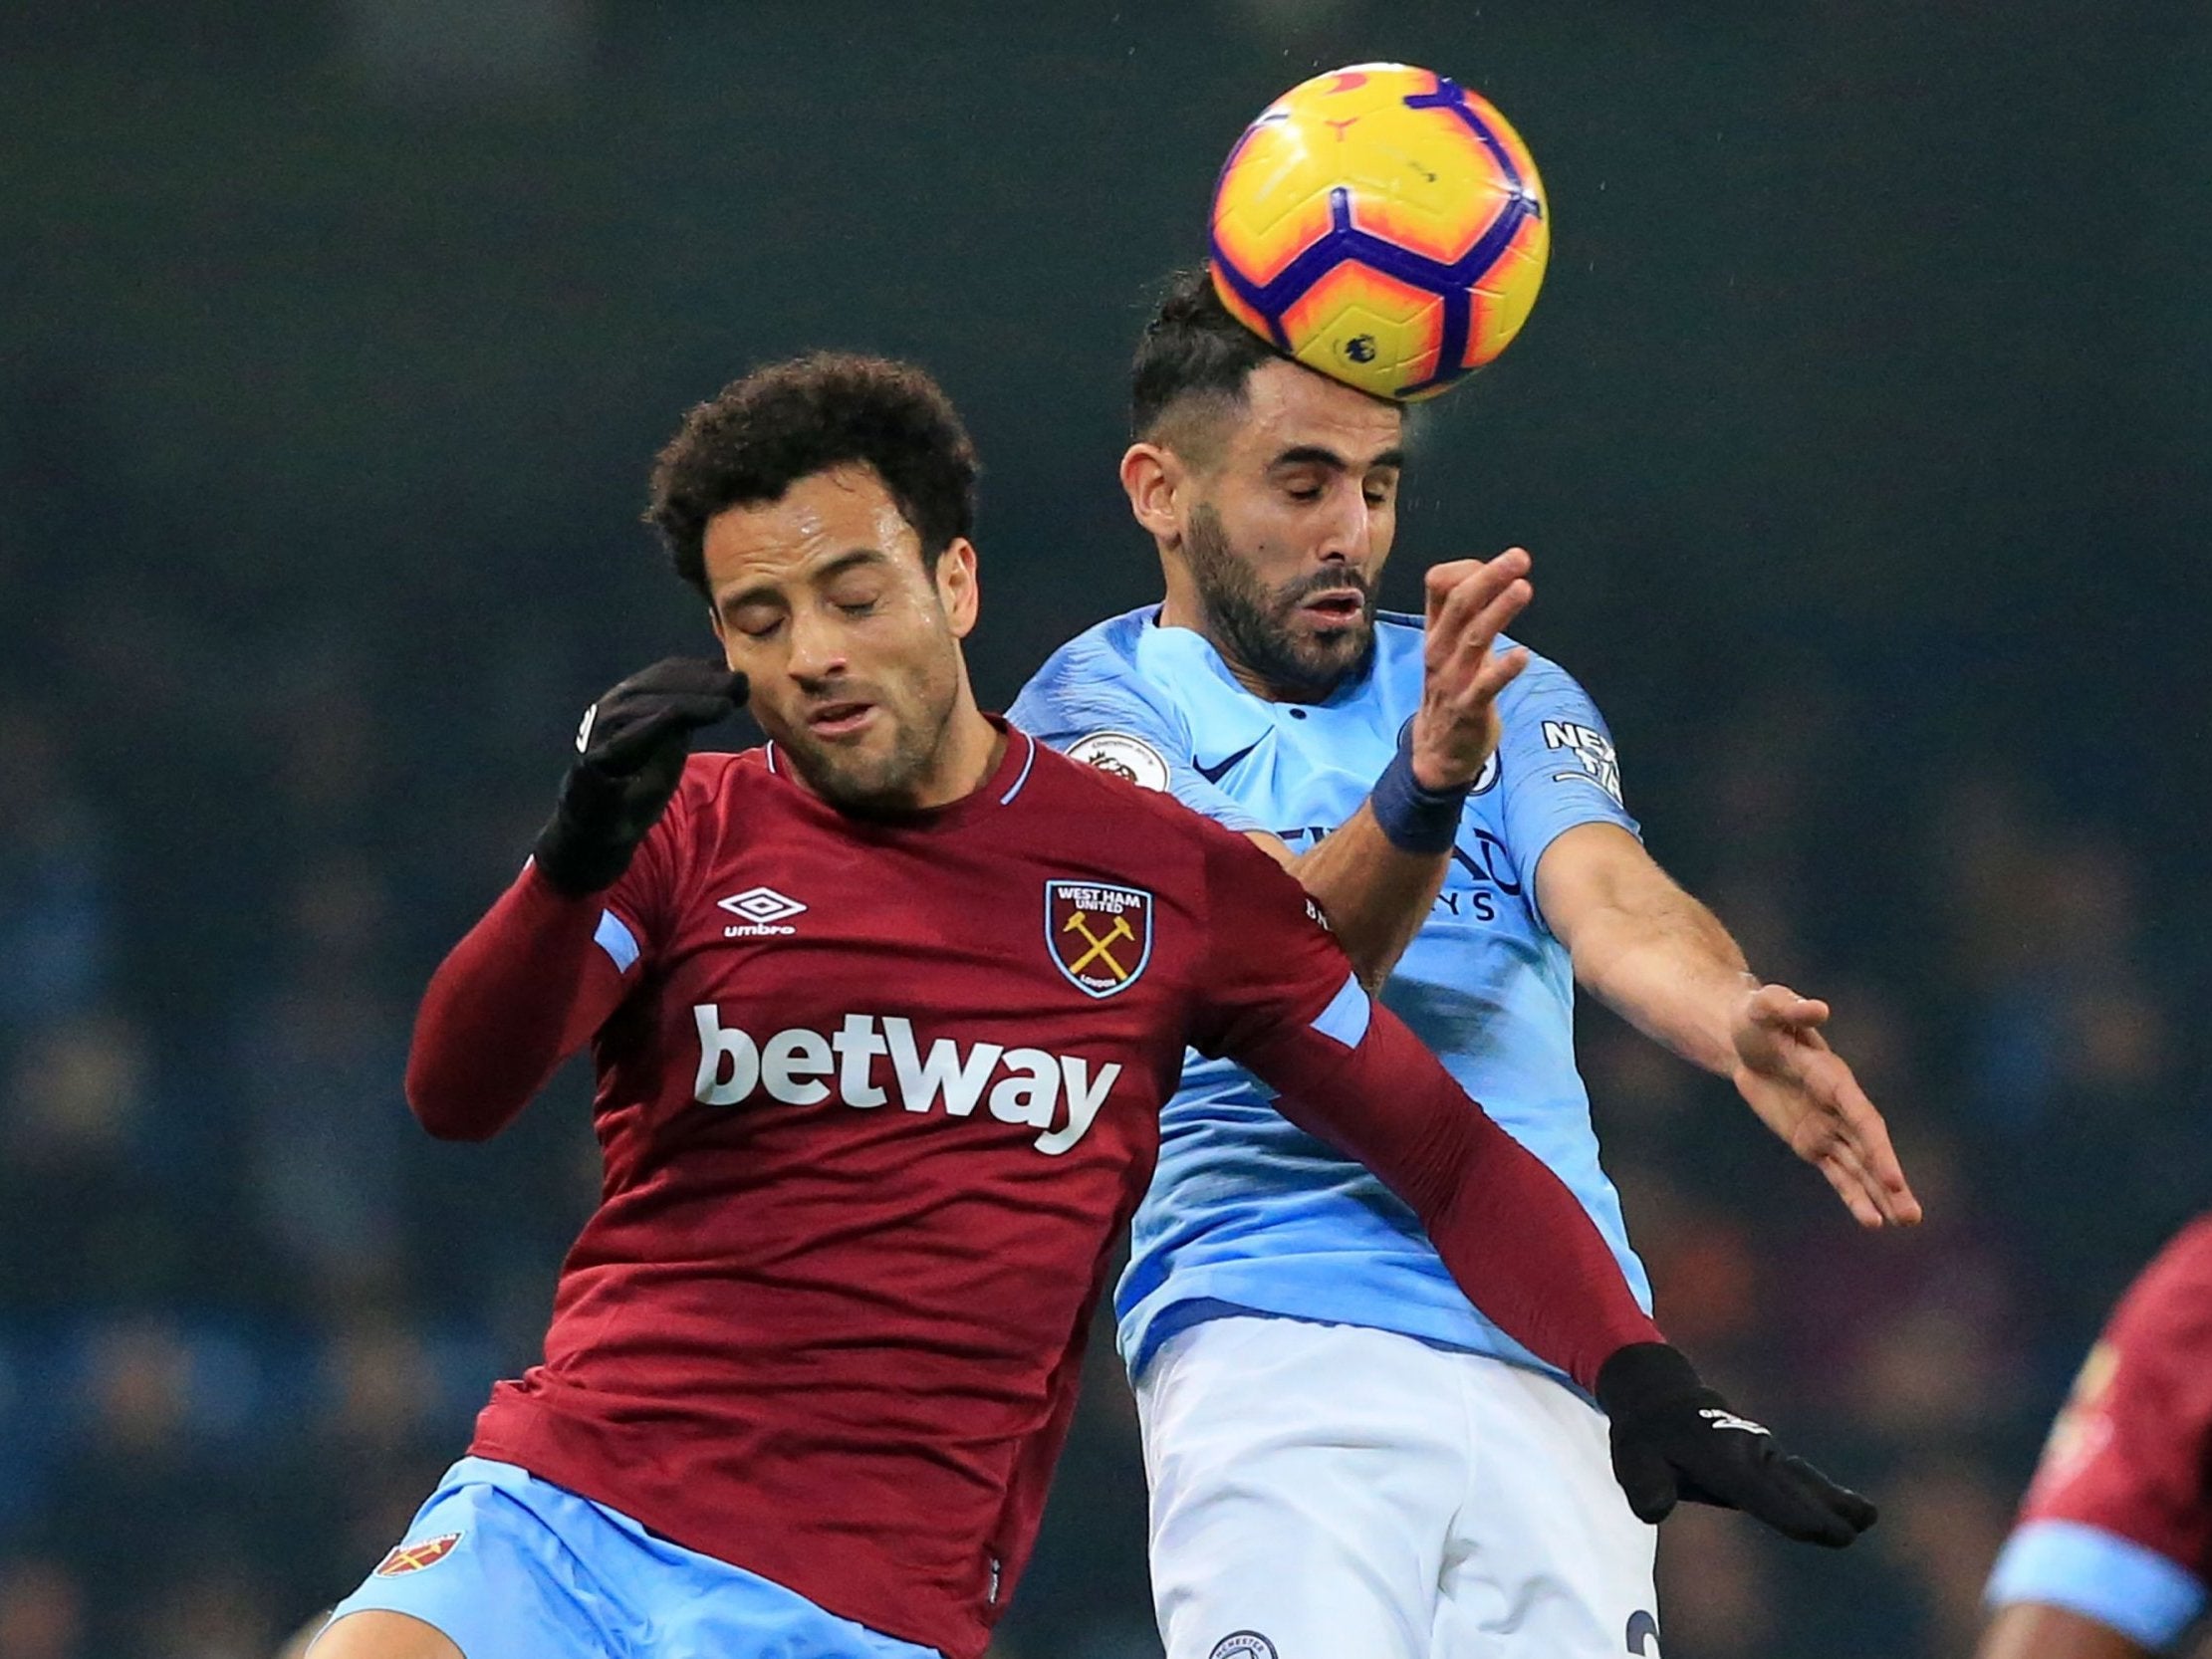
(1280, 999)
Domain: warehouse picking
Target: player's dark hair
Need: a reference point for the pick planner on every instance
(760, 435)
(1192, 349)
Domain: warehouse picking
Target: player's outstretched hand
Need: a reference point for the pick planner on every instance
(1469, 602)
(1802, 1090)
(1673, 1438)
(628, 759)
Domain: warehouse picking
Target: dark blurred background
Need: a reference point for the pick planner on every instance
(1861, 437)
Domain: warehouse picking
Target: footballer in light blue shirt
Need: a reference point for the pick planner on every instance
(1455, 803)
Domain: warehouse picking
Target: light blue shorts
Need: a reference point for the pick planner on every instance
(509, 1567)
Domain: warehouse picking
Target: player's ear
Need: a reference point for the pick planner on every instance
(1151, 477)
(957, 589)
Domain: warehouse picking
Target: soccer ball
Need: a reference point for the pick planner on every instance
(1383, 225)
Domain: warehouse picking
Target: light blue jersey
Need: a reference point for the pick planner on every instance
(1246, 1213)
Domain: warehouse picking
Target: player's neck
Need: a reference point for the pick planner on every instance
(970, 753)
(1182, 610)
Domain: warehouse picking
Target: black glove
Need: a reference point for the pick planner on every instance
(629, 757)
(1675, 1437)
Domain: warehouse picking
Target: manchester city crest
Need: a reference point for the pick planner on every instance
(1100, 936)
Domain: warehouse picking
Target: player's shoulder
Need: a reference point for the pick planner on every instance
(1104, 651)
(1544, 691)
(1114, 796)
(1400, 637)
(1401, 640)
(714, 770)
(713, 779)
(2171, 1299)
(2188, 1254)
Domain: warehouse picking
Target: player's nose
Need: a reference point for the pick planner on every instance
(817, 649)
(1349, 533)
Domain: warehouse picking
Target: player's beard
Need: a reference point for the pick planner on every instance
(1258, 628)
(884, 780)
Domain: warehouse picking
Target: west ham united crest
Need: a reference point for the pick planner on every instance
(1099, 936)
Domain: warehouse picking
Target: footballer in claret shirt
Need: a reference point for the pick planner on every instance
(2113, 1548)
(882, 1013)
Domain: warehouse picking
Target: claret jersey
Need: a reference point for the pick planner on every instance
(2117, 1523)
(875, 1101)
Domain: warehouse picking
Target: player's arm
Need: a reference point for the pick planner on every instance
(2034, 1630)
(530, 983)
(1379, 875)
(1277, 994)
(1664, 962)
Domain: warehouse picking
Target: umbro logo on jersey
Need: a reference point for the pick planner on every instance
(761, 913)
(1057, 1094)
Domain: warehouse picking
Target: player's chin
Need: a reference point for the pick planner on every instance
(869, 772)
(1331, 647)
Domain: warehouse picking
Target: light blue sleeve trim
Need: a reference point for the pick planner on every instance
(2100, 1575)
(616, 940)
(1346, 1017)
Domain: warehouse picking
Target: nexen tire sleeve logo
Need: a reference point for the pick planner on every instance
(1057, 1094)
(1592, 751)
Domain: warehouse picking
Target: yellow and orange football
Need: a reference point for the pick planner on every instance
(1383, 225)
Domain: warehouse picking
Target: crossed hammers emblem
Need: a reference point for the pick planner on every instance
(1079, 922)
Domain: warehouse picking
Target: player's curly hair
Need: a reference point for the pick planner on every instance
(1192, 349)
(760, 435)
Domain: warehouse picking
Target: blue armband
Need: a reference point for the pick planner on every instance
(1414, 819)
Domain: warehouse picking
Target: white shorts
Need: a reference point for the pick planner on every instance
(1328, 1492)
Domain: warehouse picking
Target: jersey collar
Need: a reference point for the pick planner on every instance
(1007, 780)
(1224, 719)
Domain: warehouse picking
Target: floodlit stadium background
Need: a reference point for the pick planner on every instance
(1860, 436)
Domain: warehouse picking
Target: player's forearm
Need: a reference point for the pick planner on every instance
(520, 992)
(2034, 1630)
(1669, 968)
(1514, 1237)
(1375, 896)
